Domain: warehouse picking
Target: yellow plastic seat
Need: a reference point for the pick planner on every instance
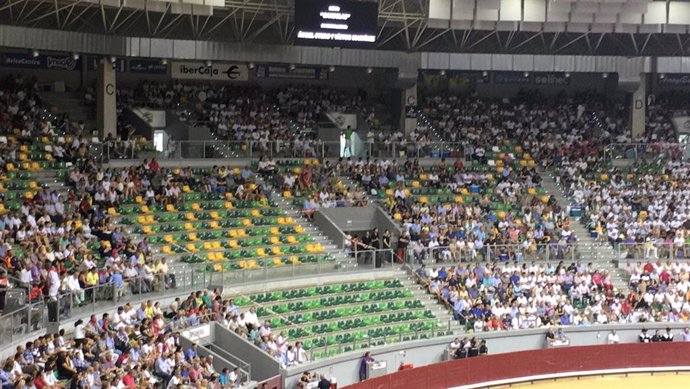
(294, 260)
(276, 251)
(139, 199)
(274, 240)
(214, 225)
(229, 196)
(291, 239)
(34, 185)
(190, 216)
(167, 250)
(207, 246)
(228, 205)
(287, 194)
(188, 227)
(299, 229)
(141, 219)
(169, 239)
(241, 233)
(215, 245)
(145, 209)
(260, 252)
(186, 189)
(147, 230)
(247, 222)
(192, 247)
(277, 262)
(150, 219)
(256, 213)
(192, 236)
(170, 208)
(233, 244)
(196, 207)
(214, 215)
(275, 231)
(531, 191)
(397, 216)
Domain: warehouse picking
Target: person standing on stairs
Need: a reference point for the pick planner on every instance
(347, 134)
(376, 246)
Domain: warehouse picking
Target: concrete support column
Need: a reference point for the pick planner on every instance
(409, 118)
(638, 111)
(107, 114)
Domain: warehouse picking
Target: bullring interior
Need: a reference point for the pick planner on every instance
(344, 193)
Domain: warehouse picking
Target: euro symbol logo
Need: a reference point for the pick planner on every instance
(233, 72)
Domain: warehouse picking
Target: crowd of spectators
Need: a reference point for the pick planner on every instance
(137, 347)
(451, 230)
(512, 295)
(644, 208)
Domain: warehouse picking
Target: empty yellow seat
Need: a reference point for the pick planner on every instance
(277, 262)
(207, 246)
(294, 260)
(233, 244)
(275, 231)
(215, 245)
(196, 207)
(145, 209)
(260, 252)
(169, 239)
(215, 215)
(150, 219)
(186, 189)
(34, 185)
(241, 233)
(188, 226)
(276, 251)
(141, 219)
(291, 239)
(190, 216)
(170, 208)
(192, 236)
(531, 191)
(233, 233)
(147, 230)
(287, 194)
(256, 213)
(299, 229)
(139, 199)
(213, 224)
(274, 240)
(192, 247)
(167, 250)
(246, 222)
(228, 205)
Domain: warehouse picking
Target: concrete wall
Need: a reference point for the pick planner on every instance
(345, 368)
(263, 366)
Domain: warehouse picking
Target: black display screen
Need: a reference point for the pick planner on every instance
(336, 23)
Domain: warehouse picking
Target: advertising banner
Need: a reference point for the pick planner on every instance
(147, 66)
(215, 72)
(43, 61)
(283, 71)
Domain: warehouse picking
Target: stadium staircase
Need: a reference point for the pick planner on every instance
(294, 211)
(588, 249)
(72, 104)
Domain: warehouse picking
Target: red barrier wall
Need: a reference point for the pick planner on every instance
(527, 363)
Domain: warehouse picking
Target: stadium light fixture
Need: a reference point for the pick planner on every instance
(251, 65)
(164, 61)
(370, 70)
(567, 75)
(209, 63)
(605, 75)
(35, 53)
(75, 56)
(331, 69)
(443, 72)
(662, 76)
(292, 66)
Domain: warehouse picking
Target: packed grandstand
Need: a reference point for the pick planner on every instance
(331, 224)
